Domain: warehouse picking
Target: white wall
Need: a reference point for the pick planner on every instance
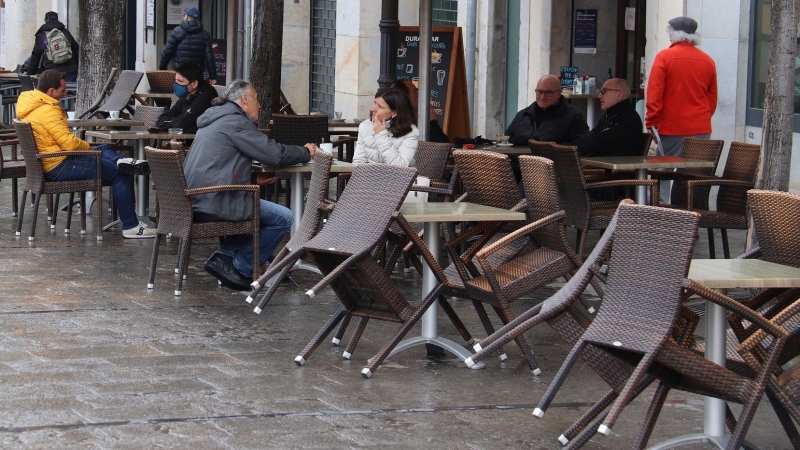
(296, 64)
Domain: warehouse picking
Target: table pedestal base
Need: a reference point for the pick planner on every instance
(444, 343)
(720, 442)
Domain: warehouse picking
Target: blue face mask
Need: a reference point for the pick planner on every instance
(180, 90)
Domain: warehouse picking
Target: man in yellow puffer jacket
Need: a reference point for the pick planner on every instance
(42, 109)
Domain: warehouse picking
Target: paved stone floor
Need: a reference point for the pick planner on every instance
(89, 358)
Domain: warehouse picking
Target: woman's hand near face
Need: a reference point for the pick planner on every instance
(378, 125)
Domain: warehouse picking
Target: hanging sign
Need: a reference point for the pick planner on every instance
(586, 31)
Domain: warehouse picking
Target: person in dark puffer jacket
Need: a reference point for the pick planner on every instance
(190, 43)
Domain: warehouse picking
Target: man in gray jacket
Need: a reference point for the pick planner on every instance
(226, 143)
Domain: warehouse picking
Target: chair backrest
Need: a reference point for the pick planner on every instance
(538, 146)
(741, 165)
(161, 81)
(776, 226)
(647, 139)
(365, 208)
(571, 185)
(25, 83)
(148, 115)
(174, 206)
(299, 130)
(432, 159)
(649, 260)
(488, 178)
(317, 192)
(703, 149)
(120, 95)
(541, 191)
(27, 144)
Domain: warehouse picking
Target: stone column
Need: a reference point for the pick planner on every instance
(19, 32)
(358, 42)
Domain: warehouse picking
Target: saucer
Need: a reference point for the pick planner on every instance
(337, 120)
(112, 119)
(507, 144)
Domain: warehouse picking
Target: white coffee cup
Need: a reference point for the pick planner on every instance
(113, 115)
(70, 115)
(326, 147)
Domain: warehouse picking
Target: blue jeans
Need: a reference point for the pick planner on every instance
(85, 167)
(71, 77)
(276, 220)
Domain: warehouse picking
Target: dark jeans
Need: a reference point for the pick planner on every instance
(85, 167)
(71, 77)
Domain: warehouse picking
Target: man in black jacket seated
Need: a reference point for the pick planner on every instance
(619, 130)
(549, 118)
(194, 98)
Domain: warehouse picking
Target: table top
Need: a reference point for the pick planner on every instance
(644, 162)
(343, 124)
(743, 273)
(505, 150)
(119, 135)
(9, 75)
(336, 167)
(156, 94)
(456, 212)
(104, 123)
(568, 94)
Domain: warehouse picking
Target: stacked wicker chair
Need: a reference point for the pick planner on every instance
(118, 97)
(37, 185)
(731, 212)
(702, 149)
(176, 216)
(13, 168)
(161, 81)
(309, 226)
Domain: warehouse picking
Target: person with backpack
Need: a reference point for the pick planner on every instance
(188, 42)
(54, 49)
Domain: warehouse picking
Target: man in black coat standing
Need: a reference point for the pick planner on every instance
(40, 62)
(189, 42)
(619, 130)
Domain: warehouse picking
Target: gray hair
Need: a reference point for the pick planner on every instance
(233, 92)
(682, 36)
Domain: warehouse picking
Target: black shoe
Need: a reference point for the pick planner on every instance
(227, 274)
(133, 166)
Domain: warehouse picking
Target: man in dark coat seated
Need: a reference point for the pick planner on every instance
(194, 98)
(549, 118)
(619, 130)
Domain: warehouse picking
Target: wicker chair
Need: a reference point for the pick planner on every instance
(343, 252)
(13, 168)
(117, 98)
(584, 214)
(176, 215)
(540, 248)
(702, 149)
(309, 226)
(37, 185)
(731, 212)
(646, 278)
(161, 81)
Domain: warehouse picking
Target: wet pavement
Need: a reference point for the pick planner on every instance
(90, 358)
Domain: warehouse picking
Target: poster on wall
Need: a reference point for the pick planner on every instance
(176, 8)
(150, 16)
(586, 31)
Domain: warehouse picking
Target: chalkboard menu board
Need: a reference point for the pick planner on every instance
(447, 80)
(219, 47)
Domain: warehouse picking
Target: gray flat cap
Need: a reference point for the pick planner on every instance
(683, 23)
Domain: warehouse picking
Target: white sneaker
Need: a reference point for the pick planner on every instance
(141, 231)
(133, 166)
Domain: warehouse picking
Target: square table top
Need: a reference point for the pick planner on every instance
(743, 273)
(644, 162)
(113, 135)
(336, 167)
(156, 94)
(505, 149)
(456, 212)
(104, 123)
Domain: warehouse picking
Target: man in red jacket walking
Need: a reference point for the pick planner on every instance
(681, 91)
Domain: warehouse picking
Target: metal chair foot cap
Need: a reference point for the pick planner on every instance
(219, 283)
(99, 238)
(257, 310)
(563, 439)
(255, 285)
(477, 347)
(408, 270)
(310, 293)
(17, 233)
(30, 238)
(335, 341)
(591, 310)
(503, 357)
(299, 360)
(604, 430)
(469, 362)
(346, 355)
(177, 271)
(538, 413)
(249, 299)
(366, 373)
(537, 371)
(177, 293)
(150, 286)
(83, 232)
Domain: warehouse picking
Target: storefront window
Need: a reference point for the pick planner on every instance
(761, 34)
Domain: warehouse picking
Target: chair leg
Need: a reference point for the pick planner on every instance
(21, 211)
(451, 314)
(306, 353)
(592, 414)
(52, 209)
(652, 415)
(712, 252)
(35, 216)
(627, 393)
(506, 334)
(83, 212)
(337, 338)
(507, 316)
(153, 262)
(558, 380)
(725, 249)
(14, 196)
(487, 325)
(351, 346)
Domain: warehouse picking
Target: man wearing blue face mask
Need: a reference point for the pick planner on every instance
(194, 98)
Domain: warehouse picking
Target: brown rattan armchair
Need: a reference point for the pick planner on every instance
(731, 212)
(583, 213)
(118, 97)
(38, 186)
(702, 149)
(12, 168)
(176, 216)
(161, 81)
(309, 226)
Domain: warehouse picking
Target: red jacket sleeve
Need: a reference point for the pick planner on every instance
(655, 93)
